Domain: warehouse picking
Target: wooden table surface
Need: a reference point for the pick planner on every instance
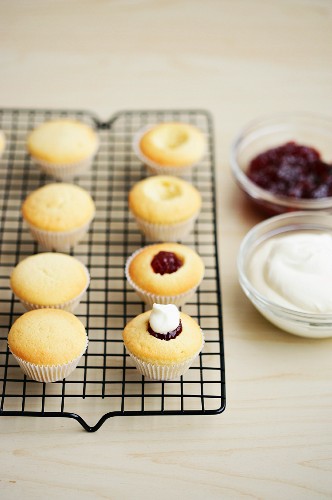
(238, 59)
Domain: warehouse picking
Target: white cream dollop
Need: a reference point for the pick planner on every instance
(295, 271)
(164, 318)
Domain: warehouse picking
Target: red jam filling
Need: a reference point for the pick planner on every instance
(169, 335)
(165, 263)
(292, 170)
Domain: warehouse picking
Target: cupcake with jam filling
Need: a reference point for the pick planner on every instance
(163, 343)
(166, 273)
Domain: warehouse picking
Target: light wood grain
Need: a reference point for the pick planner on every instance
(239, 59)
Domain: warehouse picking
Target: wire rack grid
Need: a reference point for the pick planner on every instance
(106, 384)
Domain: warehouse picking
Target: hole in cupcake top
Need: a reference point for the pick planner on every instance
(163, 190)
(174, 138)
(166, 263)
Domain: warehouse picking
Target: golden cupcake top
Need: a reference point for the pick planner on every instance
(173, 144)
(58, 207)
(47, 337)
(49, 279)
(62, 141)
(166, 269)
(153, 349)
(164, 199)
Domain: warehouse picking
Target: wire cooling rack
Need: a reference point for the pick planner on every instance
(106, 384)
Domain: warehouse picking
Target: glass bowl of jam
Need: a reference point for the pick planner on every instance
(284, 162)
(285, 270)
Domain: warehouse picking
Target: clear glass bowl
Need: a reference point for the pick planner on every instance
(299, 323)
(270, 132)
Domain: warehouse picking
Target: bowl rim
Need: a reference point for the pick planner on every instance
(250, 240)
(258, 193)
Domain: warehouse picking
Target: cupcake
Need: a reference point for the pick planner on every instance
(163, 343)
(170, 148)
(58, 215)
(63, 148)
(166, 273)
(50, 280)
(47, 343)
(165, 207)
(2, 142)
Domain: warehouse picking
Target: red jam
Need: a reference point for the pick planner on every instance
(169, 335)
(165, 263)
(292, 170)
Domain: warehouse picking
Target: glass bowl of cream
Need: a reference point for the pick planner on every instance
(285, 269)
(283, 162)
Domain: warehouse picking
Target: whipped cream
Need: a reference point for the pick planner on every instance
(295, 271)
(164, 318)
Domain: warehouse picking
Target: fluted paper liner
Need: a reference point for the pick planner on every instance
(60, 241)
(49, 373)
(164, 372)
(166, 232)
(154, 298)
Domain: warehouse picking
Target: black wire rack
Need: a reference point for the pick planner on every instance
(106, 384)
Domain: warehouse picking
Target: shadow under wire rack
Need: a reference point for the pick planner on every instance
(106, 384)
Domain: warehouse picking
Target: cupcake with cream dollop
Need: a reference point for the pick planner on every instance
(163, 342)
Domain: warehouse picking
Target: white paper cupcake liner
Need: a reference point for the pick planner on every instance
(153, 167)
(69, 305)
(65, 171)
(164, 372)
(48, 373)
(60, 241)
(166, 232)
(154, 298)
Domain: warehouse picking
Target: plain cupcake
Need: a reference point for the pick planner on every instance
(50, 280)
(58, 215)
(47, 343)
(170, 148)
(165, 273)
(63, 148)
(2, 143)
(165, 207)
(163, 343)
